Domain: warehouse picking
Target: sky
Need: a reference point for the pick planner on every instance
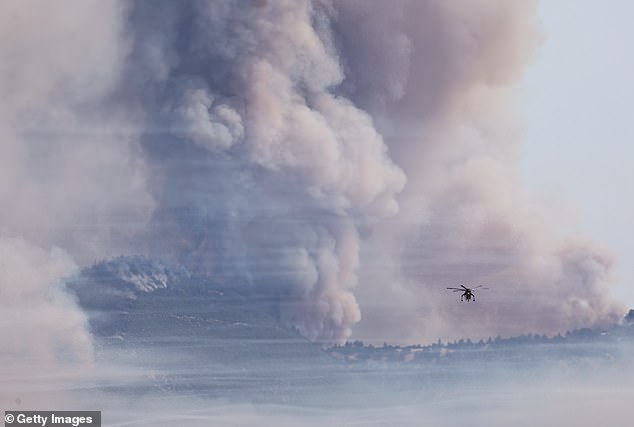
(578, 98)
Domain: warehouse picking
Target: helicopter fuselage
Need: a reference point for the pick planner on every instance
(467, 292)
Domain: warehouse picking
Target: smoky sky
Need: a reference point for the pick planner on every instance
(351, 158)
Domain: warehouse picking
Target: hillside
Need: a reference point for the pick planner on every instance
(139, 301)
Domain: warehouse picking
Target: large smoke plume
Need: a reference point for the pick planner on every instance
(350, 159)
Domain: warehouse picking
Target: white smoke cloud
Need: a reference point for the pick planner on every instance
(71, 188)
(39, 322)
(70, 175)
(198, 118)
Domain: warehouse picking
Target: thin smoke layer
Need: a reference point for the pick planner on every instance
(347, 159)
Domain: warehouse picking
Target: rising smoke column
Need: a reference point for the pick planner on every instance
(260, 167)
(438, 78)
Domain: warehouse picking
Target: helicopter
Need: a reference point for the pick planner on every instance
(467, 292)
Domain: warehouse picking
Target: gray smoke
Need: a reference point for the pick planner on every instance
(260, 166)
(350, 158)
